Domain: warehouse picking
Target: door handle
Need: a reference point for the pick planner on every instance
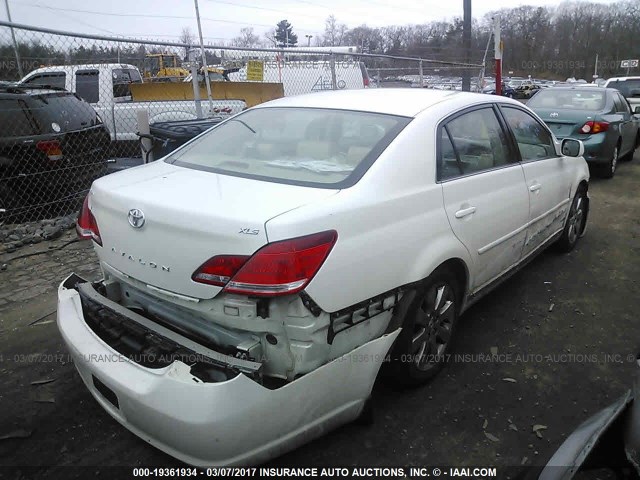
(535, 187)
(465, 211)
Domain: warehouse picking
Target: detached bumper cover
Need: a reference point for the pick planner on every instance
(237, 421)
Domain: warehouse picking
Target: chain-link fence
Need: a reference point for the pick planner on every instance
(75, 107)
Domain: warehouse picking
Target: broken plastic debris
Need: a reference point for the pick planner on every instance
(513, 427)
(509, 379)
(537, 429)
(43, 381)
(20, 433)
(485, 424)
(493, 438)
(551, 307)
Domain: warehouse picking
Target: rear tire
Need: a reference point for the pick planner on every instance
(609, 170)
(576, 223)
(423, 346)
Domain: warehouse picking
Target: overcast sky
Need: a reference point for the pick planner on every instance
(222, 19)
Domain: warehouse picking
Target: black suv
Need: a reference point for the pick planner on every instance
(52, 146)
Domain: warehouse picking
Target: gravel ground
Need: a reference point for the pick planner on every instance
(550, 347)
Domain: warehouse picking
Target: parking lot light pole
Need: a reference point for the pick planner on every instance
(15, 44)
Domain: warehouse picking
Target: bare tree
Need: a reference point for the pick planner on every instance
(333, 32)
(247, 38)
(187, 37)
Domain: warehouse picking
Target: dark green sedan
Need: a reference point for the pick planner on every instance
(600, 117)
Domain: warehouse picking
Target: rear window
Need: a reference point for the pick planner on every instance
(586, 99)
(628, 88)
(14, 119)
(300, 146)
(122, 80)
(64, 109)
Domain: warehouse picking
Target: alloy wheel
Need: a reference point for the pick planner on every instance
(433, 326)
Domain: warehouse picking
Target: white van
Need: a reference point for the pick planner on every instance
(305, 76)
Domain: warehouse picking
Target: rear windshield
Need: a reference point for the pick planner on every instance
(568, 98)
(628, 88)
(15, 120)
(65, 110)
(300, 146)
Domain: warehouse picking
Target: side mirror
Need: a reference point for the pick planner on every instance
(636, 109)
(572, 148)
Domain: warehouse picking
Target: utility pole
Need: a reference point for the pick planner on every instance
(466, 40)
(309, 37)
(498, 54)
(204, 60)
(15, 44)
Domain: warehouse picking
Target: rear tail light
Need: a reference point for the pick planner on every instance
(51, 148)
(279, 268)
(594, 127)
(87, 227)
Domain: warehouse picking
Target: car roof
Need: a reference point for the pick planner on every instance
(17, 89)
(622, 79)
(84, 66)
(406, 102)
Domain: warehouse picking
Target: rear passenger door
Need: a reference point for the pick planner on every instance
(547, 175)
(484, 191)
(627, 124)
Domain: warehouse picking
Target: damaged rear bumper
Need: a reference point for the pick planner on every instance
(228, 420)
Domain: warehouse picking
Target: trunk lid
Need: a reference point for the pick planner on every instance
(189, 217)
(565, 122)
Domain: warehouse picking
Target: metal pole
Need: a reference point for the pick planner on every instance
(146, 145)
(498, 54)
(15, 44)
(204, 59)
(193, 60)
(421, 75)
(466, 36)
(595, 70)
(332, 66)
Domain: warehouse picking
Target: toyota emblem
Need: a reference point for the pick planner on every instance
(554, 115)
(136, 218)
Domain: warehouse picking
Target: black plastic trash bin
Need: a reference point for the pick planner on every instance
(167, 136)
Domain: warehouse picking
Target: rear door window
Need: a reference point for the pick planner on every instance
(88, 85)
(15, 120)
(477, 142)
(57, 80)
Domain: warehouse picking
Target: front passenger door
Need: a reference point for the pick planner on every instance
(484, 192)
(547, 175)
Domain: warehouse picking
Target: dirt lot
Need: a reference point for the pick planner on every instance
(561, 364)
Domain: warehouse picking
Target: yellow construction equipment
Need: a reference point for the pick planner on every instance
(164, 67)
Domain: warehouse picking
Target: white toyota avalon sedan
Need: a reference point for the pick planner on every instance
(256, 279)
